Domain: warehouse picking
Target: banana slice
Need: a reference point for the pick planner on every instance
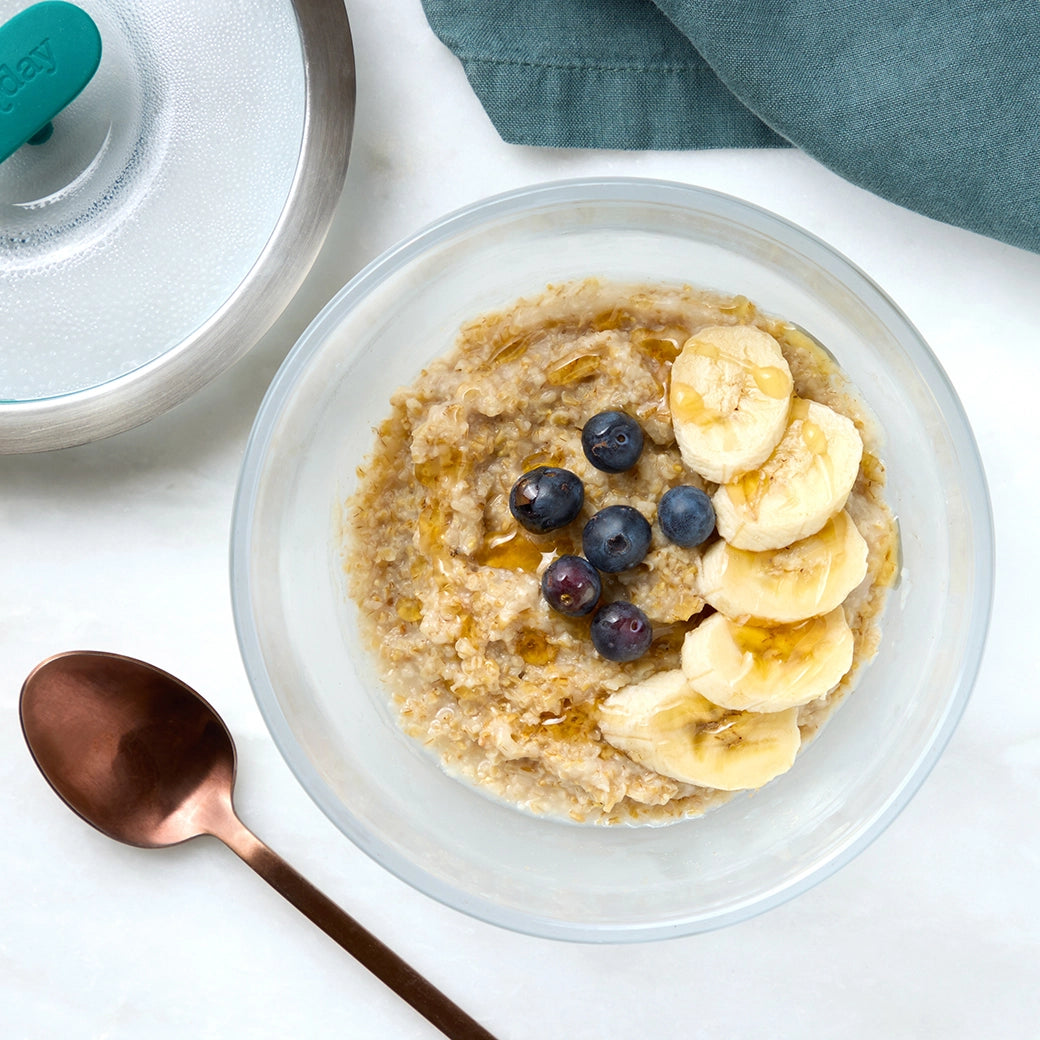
(802, 484)
(664, 725)
(759, 668)
(810, 577)
(729, 398)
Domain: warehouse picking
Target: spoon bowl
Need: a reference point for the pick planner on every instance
(142, 757)
(129, 748)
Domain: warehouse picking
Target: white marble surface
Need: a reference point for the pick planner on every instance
(934, 931)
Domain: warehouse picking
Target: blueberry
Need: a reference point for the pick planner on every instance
(686, 515)
(571, 585)
(616, 538)
(612, 441)
(621, 631)
(546, 498)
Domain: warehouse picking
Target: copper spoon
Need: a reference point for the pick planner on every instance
(144, 759)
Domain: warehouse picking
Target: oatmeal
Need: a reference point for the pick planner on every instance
(508, 692)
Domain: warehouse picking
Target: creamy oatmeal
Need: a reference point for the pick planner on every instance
(507, 692)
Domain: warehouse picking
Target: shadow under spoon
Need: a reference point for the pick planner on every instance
(144, 759)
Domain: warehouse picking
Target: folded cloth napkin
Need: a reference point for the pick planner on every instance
(932, 104)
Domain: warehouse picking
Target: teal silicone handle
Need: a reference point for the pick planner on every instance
(48, 54)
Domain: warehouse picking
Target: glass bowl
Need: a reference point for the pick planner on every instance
(317, 688)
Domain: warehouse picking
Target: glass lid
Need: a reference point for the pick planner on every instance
(158, 224)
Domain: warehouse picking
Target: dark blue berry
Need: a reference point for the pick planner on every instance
(612, 441)
(686, 515)
(546, 498)
(616, 538)
(571, 585)
(621, 631)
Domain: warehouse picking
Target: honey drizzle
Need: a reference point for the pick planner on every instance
(688, 405)
(573, 369)
(535, 648)
(772, 381)
(511, 550)
(572, 722)
(813, 436)
(766, 645)
(409, 608)
(660, 345)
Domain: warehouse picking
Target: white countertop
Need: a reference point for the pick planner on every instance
(934, 931)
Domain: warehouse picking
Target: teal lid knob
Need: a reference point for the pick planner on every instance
(48, 54)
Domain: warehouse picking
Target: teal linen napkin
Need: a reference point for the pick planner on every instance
(932, 104)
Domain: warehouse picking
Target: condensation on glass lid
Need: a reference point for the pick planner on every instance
(155, 195)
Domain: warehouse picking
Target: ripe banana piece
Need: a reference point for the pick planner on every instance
(663, 724)
(810, 577)
(729, 397)
(767, 668)
(802, 484)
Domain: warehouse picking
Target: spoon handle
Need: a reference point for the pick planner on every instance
(400, 976)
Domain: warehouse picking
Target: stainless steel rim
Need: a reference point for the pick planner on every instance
(148, 391)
